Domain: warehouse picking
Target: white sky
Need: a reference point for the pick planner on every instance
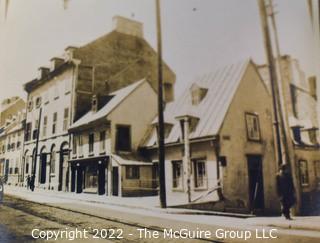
(219, 32)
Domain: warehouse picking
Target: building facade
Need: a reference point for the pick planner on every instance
(11, 140)
(219, 143)
(61, 94)
(104, 157)
(299, 106)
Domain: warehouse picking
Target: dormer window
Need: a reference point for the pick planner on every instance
(296, 130)
(191, 121)
(167, 128)
(313, 135)
(197, 94)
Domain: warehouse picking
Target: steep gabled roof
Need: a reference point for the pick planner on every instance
(222, 85)
(116, 98)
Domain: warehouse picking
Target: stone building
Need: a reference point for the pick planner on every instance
(104, 158)
(11, 139)
(64, 91)
(219, 143)
(299, 105)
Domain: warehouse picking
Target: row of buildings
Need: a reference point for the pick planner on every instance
(89, 125)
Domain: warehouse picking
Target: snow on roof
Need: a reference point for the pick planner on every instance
(117, 97)
(221, 85)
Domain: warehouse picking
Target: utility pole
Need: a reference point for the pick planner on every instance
(33, 178)
(288, 151)
(272, 73)
(161, 150)
(279, 89)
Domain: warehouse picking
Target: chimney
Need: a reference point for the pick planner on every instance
(313, 86)
(56, 62)
(69, 52)
(127, 26)
(94, 103)
(43, 72)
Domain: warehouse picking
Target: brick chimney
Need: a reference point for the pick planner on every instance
(56, 62)
(127, 26)
(43, 72)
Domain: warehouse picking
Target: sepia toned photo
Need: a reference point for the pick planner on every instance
(160, 121)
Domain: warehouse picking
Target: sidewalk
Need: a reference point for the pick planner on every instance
(150, 206)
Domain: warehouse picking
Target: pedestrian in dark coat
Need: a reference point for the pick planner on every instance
(285, 190)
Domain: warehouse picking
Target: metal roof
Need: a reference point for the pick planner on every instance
(221, 86)
(117, 97)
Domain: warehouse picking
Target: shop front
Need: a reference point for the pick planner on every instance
(89, 175)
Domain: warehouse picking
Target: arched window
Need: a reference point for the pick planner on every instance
(27, 161)
(53, 159)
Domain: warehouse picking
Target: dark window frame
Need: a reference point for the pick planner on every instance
(249, 137)
(117, 146)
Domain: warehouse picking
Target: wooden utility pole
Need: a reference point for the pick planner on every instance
(279, 89)
(288, 151)
(272, 73)
(161, 150)
(33, 178)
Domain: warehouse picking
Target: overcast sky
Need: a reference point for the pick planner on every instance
(198, 35)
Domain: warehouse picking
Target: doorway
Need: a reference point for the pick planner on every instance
(43, 162)
(115, 181)
(256, 191)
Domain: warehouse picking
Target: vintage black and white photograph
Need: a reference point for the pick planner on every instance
(160, 121)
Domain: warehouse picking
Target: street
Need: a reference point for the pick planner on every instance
(19, 217)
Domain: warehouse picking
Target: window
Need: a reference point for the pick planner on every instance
(123, 138)
(102, 141)
(304, 175)
(177, 175)
(317, 170)
(313, 136)
(294, 95)
(74, 145)
(35, 131)
(53, 160)
(200, 175)
(66, 119)
(28, 131)
(132, 172)
(54, 122)
(253, 127)
(80, 146)
(44, 129)
(197, 94)
(30, 105)
(91, 142)
(18, 144)
(67, 86)
(27, 165)
(46, 98)
(38, 102)
(56, 92)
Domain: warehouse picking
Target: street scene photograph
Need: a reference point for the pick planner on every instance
(160, 121)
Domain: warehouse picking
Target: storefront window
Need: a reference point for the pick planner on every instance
(91, 177)
(177, 174)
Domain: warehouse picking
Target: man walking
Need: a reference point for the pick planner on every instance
(285, 190)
